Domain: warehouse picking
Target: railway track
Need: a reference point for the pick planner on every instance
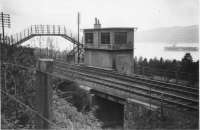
(153, 84)
(136, 78)
(173, 96)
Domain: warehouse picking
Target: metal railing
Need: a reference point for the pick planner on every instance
(41, 30)
(109, 46)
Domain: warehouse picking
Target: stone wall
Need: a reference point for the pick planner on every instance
(137, 113)
(122, 61)
(102, 59)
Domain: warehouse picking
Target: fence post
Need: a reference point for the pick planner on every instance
(161, 107)
(31, 29)
(48, 31)
(176, 75)
(58, 29)
(53, 29)
(43, 92)
(65, 32)
(35, 29)
(142, 71)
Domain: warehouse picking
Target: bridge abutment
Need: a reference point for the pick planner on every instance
(120, 113)
(110, 113)
(127, 114)
(136, 112)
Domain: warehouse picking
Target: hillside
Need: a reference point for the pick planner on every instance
(18, 87)
(186, 34)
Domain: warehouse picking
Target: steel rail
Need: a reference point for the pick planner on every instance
(99, 81)
(131, 86)
(146, 82)
(147, 90)
(146, 79)
(136, 80)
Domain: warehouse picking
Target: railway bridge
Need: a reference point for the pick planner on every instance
(134, 93)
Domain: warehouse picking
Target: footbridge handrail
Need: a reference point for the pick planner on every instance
(42, 30)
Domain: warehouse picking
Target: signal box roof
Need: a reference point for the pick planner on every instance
(111, 29)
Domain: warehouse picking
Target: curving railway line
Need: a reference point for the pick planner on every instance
(172, 95)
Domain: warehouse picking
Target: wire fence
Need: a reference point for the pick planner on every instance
(166, 75)
(18, 95)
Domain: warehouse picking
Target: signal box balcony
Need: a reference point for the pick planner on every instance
(109, 46)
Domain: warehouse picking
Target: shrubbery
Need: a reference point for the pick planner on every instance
(186, 69)
(20, 83)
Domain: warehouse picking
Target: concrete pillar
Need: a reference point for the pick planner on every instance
(43, 92)
(96, 36)
(91, 100)
(112, 38)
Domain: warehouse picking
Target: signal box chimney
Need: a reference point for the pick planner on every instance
(97, 24)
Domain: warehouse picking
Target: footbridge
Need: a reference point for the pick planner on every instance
(44, 30)
(41, 30)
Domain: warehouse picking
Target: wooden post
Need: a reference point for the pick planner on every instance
(65, 32)
(53, 29)
(35, 30)
(48, 32)
(20, 34)
(17, 38)
(42, 28)
(58, 29)
(176, 76)
(31, 29)
(43, 92)
(142, 71)
(161, 107)
(28, 31)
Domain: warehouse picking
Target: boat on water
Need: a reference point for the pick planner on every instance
(180, 48)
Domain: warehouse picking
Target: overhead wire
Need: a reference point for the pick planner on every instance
(20, 102)
(29, 108)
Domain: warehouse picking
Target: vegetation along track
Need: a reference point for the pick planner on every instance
(130, 84)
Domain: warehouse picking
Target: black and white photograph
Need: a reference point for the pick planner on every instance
(99, 64)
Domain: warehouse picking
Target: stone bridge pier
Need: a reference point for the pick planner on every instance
(110, 113)
(115, 112)
(120, 113)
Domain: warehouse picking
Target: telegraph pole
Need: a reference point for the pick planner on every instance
(2, 21)
(5, 22)
(78, 38)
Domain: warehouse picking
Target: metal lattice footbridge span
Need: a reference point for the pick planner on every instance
(41, 30)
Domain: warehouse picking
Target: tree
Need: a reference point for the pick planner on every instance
(187, 58)
(187, 63)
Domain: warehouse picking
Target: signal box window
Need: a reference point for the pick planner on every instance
(88, 37)
(105, 38)
(120, 37)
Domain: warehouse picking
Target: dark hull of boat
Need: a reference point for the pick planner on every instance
(181, 48)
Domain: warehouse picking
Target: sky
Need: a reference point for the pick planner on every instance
(143, 14)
